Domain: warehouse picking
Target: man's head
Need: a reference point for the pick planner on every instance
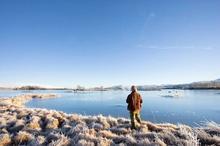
(133, 88)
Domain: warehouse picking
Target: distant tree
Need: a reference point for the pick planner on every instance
(80, 88)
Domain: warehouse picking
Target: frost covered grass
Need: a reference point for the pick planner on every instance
(41, 127)
(20, 100)
(209, 133)
(26, 126)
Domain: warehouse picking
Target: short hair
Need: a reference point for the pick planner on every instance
(133, 88)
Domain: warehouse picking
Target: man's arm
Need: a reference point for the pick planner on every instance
(128, 99)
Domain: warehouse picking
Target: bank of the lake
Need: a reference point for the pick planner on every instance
(31, 126)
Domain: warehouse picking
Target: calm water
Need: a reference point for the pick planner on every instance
(194, 106)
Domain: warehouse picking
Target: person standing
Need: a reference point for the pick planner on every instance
(134, 101)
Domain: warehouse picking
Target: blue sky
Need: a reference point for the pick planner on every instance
(108, 42)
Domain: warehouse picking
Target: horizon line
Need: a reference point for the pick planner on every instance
(55, 86)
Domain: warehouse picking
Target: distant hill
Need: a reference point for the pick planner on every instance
(205, 85)
(215, 84)
(218, 80)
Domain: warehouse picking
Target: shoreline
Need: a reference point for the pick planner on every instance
(35, 126)
(20, 100)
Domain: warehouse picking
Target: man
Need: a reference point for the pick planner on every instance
(134, 101)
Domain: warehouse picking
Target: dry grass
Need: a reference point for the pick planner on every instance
(61, 141)
(34, 123)
(97, 130)
(5, 139)
(23, 137)
(51, 122)
(209, 133)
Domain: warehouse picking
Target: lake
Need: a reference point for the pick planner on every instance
(192, 107)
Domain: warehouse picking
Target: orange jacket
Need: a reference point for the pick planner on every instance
(134, 101)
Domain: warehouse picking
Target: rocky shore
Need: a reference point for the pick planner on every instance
(38, 127)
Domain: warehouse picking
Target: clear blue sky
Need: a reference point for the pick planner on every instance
(108, 42)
